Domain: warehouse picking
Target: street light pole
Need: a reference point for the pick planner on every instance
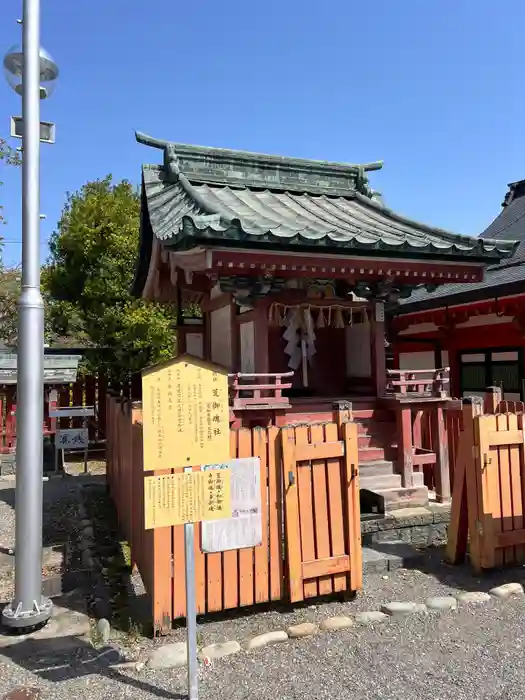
(28, 607)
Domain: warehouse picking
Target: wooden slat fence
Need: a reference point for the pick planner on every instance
(488, 499)
(327, 546)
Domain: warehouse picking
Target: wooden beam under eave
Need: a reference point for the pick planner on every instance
(148, 291)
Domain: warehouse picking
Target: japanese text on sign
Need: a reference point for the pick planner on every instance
(175, 499)
(244, 528)
(72, 439)
(185, 414)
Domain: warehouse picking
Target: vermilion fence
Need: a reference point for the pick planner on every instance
(87, 391)
(309, 480)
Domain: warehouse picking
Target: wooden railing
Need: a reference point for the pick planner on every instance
(418, 383)
(259, 391)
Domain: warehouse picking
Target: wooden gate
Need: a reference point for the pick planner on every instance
(488, 498)
(322, 515)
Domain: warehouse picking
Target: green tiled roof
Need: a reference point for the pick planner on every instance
(214, 197)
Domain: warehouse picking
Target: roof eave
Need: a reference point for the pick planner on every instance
(463, 297)
(234, 235)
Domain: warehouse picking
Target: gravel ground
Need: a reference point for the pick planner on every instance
(475, 653)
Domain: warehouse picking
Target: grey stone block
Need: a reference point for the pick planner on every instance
(303, 629)
(413, 517)
(263, 640)
(442, 603)
(421, 535)
(506, 590)
(396, 609)
(473, 597)
(388, 536)
(332, 624)
(369, 526)
(438, 534)
(219, 650)
(370, 617)
(440, 512)
(374, 562)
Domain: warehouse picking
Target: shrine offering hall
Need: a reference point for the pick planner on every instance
(284, 267)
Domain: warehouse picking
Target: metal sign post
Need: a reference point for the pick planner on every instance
(186, 422)
(191, 609)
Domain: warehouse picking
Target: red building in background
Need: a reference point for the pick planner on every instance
(478, 330)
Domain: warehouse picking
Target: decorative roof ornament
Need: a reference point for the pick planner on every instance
(171, 163)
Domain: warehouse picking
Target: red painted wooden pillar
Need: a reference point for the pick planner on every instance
(404, 431)
(235, 365)
(377, 346)
(417, 429)
(442, 475)
(260, 318)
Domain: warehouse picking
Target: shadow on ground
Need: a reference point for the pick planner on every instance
(69, 658)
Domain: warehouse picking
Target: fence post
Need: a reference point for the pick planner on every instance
(405, 451)
(343, 414)
(440, 440)
(464, 512)
(492, 400)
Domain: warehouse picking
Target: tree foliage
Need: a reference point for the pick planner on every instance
(89, 276)
(8, 156)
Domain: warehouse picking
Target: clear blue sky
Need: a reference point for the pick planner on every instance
(435, 88)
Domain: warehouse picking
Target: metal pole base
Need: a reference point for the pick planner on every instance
(18, 619)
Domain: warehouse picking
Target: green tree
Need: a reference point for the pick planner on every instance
(9, 279)
(8, 156)
(89, 276)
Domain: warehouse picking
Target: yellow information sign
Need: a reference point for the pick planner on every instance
(188, 497)
(185, 414)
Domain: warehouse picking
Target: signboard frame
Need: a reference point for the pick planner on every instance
(58, 448)
(244, 528)
(191, 395)
(72, 412)
(58, 369)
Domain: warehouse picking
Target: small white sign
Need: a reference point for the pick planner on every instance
(72, 439)
(380, 312)
(71, 411)
(244, 528)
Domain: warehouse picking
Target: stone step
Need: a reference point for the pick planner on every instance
(378, 559)
(376, 440)
(376, 468)
(396, 498)
(379, 482)
(376, 454)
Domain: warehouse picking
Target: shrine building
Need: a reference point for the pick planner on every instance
(291, 263)
(476, 329)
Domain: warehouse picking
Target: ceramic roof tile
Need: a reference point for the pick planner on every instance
(183, 210)
(509, 225)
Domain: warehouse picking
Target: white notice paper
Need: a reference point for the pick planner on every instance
(244, 528)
